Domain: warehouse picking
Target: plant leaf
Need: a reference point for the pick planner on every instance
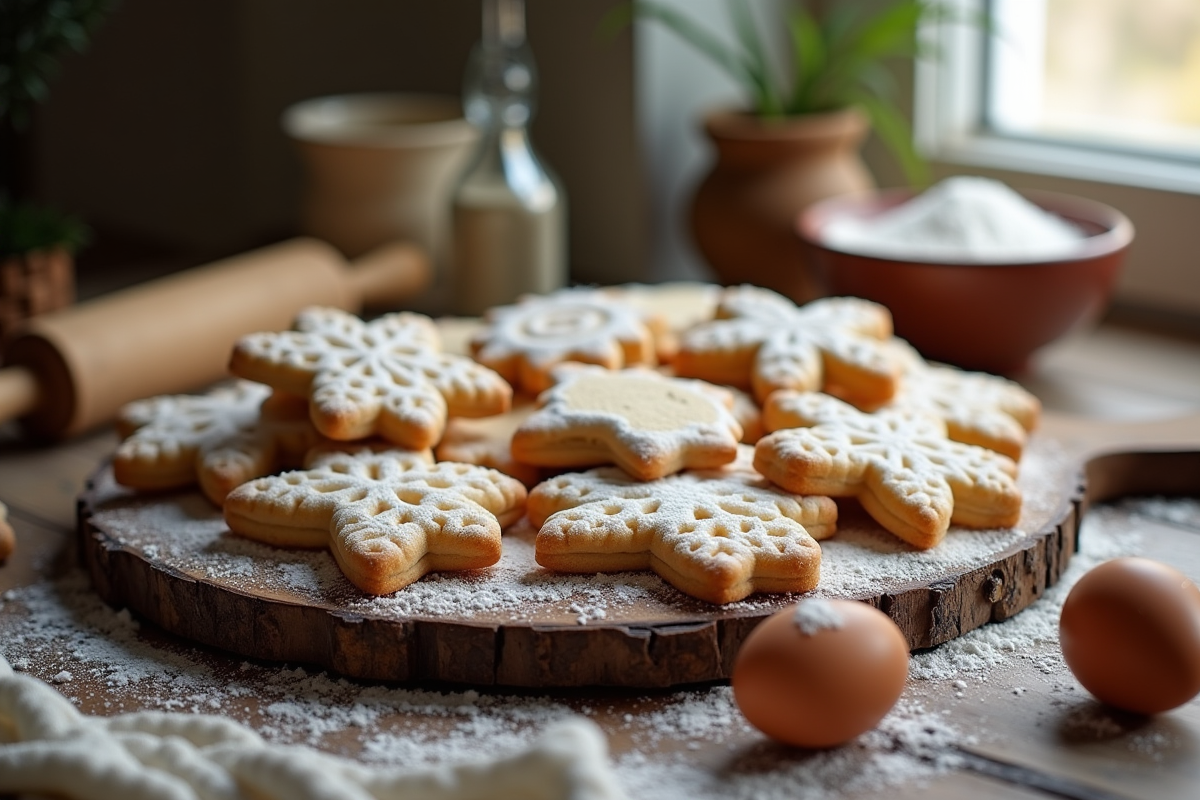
(895, 133)
(616, 19)
(809, 54)
(769, 97)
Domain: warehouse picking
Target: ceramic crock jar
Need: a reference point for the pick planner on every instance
(379, 167)
(744, 211)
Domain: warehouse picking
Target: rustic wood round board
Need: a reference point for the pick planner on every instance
(170, 558)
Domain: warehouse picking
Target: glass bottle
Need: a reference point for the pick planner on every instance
(509, 215)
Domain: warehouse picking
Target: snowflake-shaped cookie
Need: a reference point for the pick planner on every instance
(647, 423)
(719, 535)
(901, 466)
(219, 439)
(764, 341)
(388, 516)
(525, 341)
(384, 377)
(978, 408)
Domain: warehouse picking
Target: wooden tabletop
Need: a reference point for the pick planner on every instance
(1008, 725)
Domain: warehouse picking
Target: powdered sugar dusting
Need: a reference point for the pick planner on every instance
(666, 745)
(964, 218)
(183, 532)
(992, 645)
(817, 614)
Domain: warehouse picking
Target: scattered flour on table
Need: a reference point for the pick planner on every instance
(692, 744)
(964, 219)
(859, 561)
(1105, 534)
(682, 744)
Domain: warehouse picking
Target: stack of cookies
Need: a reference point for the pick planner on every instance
(626, 423)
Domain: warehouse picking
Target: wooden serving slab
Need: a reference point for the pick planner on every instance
(170, 558)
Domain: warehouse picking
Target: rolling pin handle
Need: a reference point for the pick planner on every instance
(19, 392)
(390, 275)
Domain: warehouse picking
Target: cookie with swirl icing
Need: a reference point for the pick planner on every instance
(526, 340)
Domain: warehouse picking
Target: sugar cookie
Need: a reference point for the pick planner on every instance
(718, 535)
(388, 516)
(648, 424)
(385, 377)
(219, 439)
(978, 408)
(900, 465)
(762, 340)
(525, 341)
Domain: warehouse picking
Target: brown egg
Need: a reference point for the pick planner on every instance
(821, 672)
(1130, 632)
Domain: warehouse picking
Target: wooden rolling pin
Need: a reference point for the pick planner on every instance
(72, 369)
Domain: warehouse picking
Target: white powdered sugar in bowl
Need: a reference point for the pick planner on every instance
(965, 219)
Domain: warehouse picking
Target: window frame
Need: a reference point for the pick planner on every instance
(949, 120)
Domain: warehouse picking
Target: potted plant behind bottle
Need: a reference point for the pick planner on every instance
(797, 140)
(37, 243)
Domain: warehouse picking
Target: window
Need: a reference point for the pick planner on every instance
(1104, 90)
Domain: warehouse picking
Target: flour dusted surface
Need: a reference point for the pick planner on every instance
(183, 532)
(690, 744)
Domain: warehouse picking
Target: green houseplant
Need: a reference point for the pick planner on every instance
(811, 97)
(37, 243)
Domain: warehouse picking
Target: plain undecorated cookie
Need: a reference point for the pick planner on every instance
(646, 423)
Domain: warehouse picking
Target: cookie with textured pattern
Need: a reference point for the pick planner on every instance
(219, 439)
(526, 340)
(648, 424)
(385, 377)
(763, 341)
(388, 516)
(978, 408)
(718, 535)
(903, 468)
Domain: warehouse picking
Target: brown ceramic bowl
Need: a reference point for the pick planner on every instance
(983, 316)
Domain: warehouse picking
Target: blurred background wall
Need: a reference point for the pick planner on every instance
(165, 134)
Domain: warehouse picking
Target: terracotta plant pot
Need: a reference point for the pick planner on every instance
(743, 214)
